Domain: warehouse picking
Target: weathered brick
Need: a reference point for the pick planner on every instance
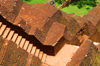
(10, 9)
(14, 56)
(85, 48)
(1, 42)
(98, 26)
(3, 47)
(35, 61)
(58, 17)
(72, 39)
(91, 31)
(8, 4)
(73, 26)
(39, 35)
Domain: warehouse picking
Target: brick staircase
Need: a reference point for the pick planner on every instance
(42, 29)
(21, 42)
(10, 35)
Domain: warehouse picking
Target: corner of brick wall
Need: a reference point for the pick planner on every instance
(85, 48)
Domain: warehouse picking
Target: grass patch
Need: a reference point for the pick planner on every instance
(57, 4)
(74, 9)
(80, 7)
(35, 1)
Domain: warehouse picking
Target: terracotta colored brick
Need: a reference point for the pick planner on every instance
(87, 17)
(58, 17)
(98, 26)
(14, 56)
(98, 15)
(29, 59)
(92, 12)
(73, 26)
(8, 4)
(85, 48)
(95, 20)
(53, 37)
(68, 17)
(91, 28)
(71, 38)
(55, 33)
(93, 15)
(10, 9)
(36, 16)
(77, 18)
(39, 22)
(1, 42)
(3, 50)
(95, 37)
(35, 61)
(41, 34)
(3, 11)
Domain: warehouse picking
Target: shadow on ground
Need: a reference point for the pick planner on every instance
(82, 3)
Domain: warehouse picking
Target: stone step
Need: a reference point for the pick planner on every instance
(40, 54)
(37, 52)
(14, 37)
(0, 23)
(18, 40)
(2, 29)
(26, 45)
(29, 48)
(6, 32)
(10, 35)
(33, 50)
(44, 57)
(22, 42)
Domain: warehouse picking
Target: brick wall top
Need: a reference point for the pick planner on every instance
(8, 4)
(93, 15)
(81, 53)
(34, 19)
(55, 33)
(36, 14)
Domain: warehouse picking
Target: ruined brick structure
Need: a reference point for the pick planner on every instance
(40, 33)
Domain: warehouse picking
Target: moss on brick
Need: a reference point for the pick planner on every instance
(93, 59)
(1, 42)
(14, 56)
(35, 61)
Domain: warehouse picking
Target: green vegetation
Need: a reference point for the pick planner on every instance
(59, 1)
(35, 1)
(93, 59)
(41, 1)
(74, 9)
(81, 7)
(57, 4)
